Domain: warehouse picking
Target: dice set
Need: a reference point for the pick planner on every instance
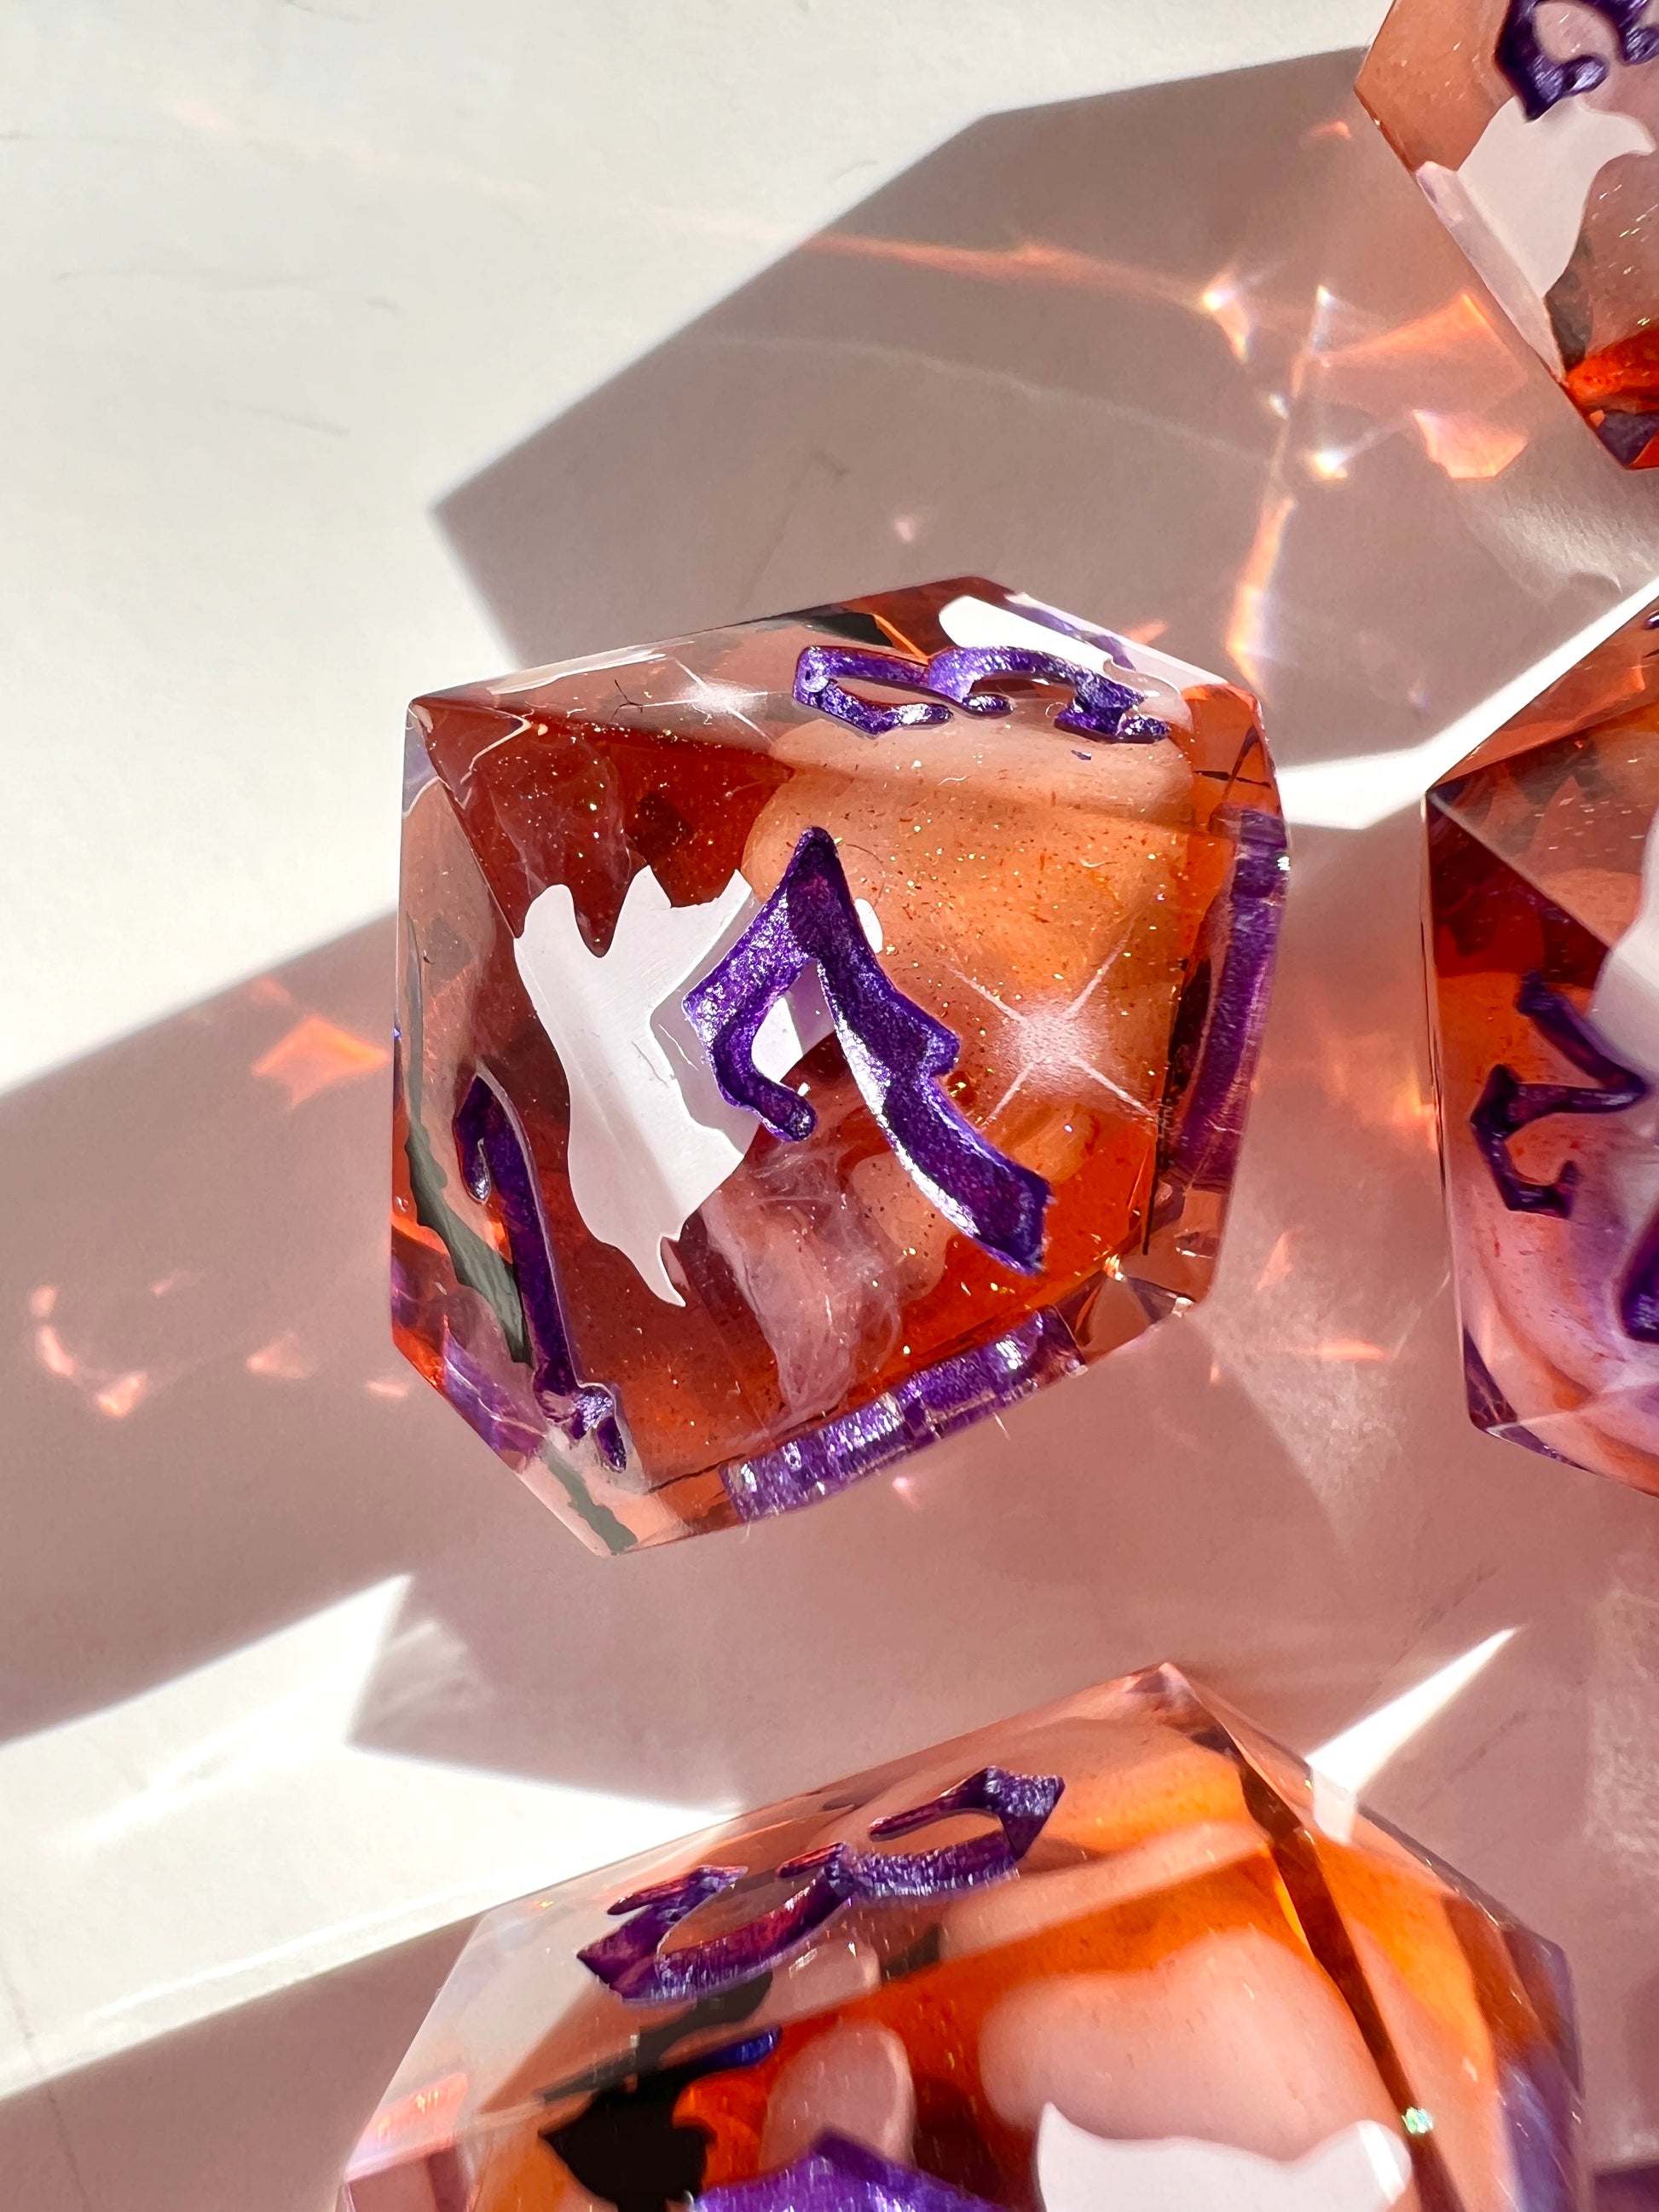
(1121, 1955)
(818, 1034)
(813, 1036)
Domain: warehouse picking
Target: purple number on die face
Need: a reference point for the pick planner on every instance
(1507, 1105)
(1101, 707)
(632, 1963)
(897, 1052)
(495, 1158)
(819, 668)
(1541, 80)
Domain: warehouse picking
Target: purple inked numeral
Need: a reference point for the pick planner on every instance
(1020, 1804)
(897, 1052)
(1507, 1105)
(840, 2175)
(632, 1962)
(819, 666)
(1627, 437)
(1638, 1293)
(918, 1410)
(1101, 707)
(1226, 1002)
(626, 1960)
(495, 1158)
(1540, 80)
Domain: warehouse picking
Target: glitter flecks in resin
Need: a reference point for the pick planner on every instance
(867, 1000)
(1101, 1959)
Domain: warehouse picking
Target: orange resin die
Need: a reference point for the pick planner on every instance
(1544, 933)
(1533, 129)
(1121, 1955)
(815, 1034)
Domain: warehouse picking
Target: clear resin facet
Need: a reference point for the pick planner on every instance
(1121, 1955)
(815, 1034)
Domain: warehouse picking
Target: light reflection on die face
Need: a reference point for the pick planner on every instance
(1184, 1984)
(1068, 908)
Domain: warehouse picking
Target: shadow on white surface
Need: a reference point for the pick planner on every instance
(154, 1798)
(1258, 419)
(1195, 359)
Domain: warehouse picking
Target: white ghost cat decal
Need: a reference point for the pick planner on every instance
(1516, 205)
(1364, 2169)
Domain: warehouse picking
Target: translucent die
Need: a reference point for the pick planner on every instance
(1121, 1955)
(1543, 934)
(815, 1034)
(1531, 125)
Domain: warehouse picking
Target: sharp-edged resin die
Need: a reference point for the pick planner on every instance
(1544, 935)
(1532, 128)
(815, 1034)
(1119, 1955)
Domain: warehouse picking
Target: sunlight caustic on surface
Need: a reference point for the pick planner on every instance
(187, 1795)
(1342, 1767)
(221, 1837)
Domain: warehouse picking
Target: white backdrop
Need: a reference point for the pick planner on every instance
(278, 273)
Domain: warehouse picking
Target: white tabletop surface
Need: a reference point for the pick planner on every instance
(280, 272)
(355, 348)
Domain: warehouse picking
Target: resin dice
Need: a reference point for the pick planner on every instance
(1544, 935)
(1532, 126)
(815, 1034)
(1121, 1955)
